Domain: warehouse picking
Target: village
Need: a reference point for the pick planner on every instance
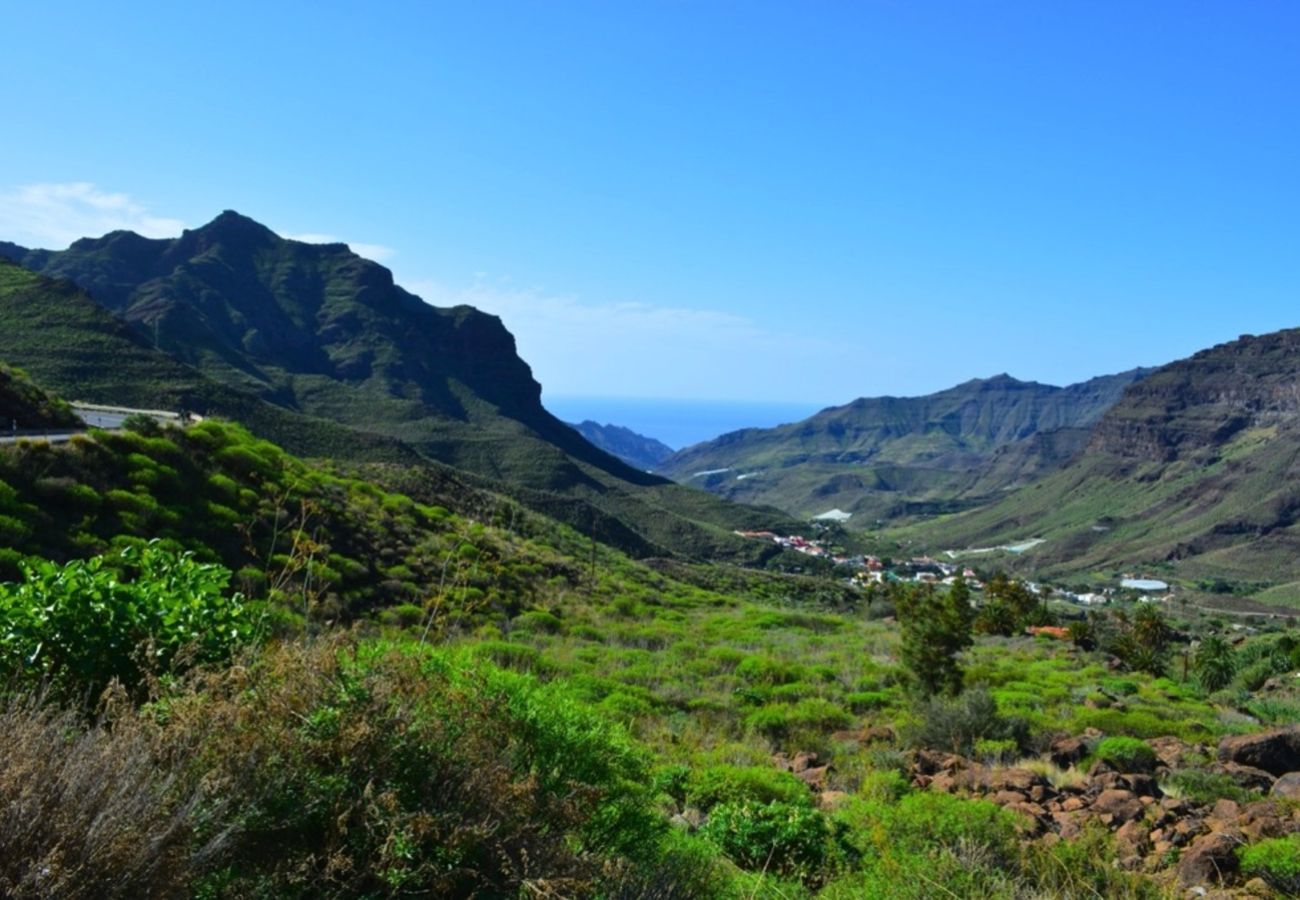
(868, 570)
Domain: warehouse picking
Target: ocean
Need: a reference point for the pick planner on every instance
(678, 423)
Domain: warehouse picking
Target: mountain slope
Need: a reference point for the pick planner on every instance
(317, 331)
(888, 456)
(634, 449)
(1196, 471)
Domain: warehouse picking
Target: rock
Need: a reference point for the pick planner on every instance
(1208, 859)
(1225, 811)
(1131, 840)
(1067, 825)
(1034, 818)
(1170, 751)
(1287, 787)
(1276, 752)
(1142, 785)
(832, 800)
(1072, 804)
(1115, 807)
(1067, 751)
(1006, 798)
(1016, 779)
(803, 761)
(782, 762)
(692, 817)
(1248, 777)
(814, 777)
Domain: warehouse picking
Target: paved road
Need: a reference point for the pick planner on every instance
(53, 437)
(110, 418)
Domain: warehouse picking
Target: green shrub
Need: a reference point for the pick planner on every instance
(790, 840)
(86, 623)
(867, 701)
(1204, 787)
(1126, 754)
(1276, 860)
(705, 788)
(955, 724)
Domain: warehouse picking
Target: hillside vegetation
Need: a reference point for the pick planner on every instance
(72, 343)
(449, 694)
(891, 457)
(1191, 474)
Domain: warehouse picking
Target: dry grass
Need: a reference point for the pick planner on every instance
(86, 811)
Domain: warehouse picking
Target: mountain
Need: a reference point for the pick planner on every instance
(323, 336)
(1194, 472)
(885, 457)
(634, 449)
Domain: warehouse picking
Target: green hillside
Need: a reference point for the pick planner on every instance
(24, 405)
(315, 348)
(1193, 474)
(888, 457)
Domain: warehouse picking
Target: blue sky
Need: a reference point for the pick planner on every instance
(756, 201)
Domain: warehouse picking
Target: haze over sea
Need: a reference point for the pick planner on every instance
(678, 423)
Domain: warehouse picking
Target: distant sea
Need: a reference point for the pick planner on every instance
(678, 423)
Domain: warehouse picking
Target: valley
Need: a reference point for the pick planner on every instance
(1009, 640)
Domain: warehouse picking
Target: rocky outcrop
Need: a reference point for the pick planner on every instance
(1276, 752)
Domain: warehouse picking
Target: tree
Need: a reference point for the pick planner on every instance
(935, 628)
(1215, 664)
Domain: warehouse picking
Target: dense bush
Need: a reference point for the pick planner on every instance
(1276, 860)
(141, 610)
(1126, 754)
(788, 839)
(956, 724)
(708, 787)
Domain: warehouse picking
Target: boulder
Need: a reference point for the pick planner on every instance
(1287, 787)
(1067, 751)
(814, 777)
(1276, 752)
(1208, 859)
(1115, 807)
(1248, 777)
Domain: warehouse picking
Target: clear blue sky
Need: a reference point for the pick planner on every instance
(741, 200)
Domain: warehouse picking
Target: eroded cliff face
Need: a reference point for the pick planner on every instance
(1193, 408)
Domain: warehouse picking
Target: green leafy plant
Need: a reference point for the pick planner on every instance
(119, 616)
(1276, 860)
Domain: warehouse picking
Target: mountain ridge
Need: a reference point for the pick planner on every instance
(890, 456)
(319, 331)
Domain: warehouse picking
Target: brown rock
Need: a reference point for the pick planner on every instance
(1208, 859)
(1142, 785)
(1115, 807)
(1131, 840)
(1249, 777)
(1067, 825)
(1287, 787)
(832, 800)
(1071, 804)
(1225, 811)
(782, 762)
(1016, 779)
(803, 761)
(1276, 752)
(1006, 798)
(814, 777)
(1067, 751)
(1170, 751)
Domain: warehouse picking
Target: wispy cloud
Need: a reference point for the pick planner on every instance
(639, 349)
(376, 252)
(54, 215)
